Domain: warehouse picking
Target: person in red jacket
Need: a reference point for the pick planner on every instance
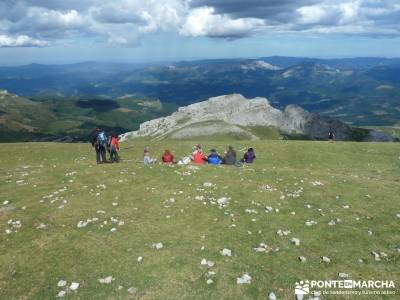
(114, 148)
(198, 157)
(167, 157)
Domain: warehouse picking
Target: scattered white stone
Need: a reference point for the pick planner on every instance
(132, 290)
(210, 281)
(140, 259)
(398, 216)
(272, 296)
(61, 283)
(295, 241)
(6, 202)
(61, 294)
(106, 280)
(281, 232)
(41, 226)
(302, 259)
(205, 262)
(376, 255)
(325, 259)
(113, 229)
(74, 286)
(317, 183)
(223, 201)
(261, 248)
(311, 223)
(226, 252)
(157, 246)
(114, 204)
(244, 279)
(343, 275)
(332, 223)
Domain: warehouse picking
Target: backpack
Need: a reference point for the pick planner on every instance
(102, 138)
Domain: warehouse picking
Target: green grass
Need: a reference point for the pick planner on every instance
(33, 260)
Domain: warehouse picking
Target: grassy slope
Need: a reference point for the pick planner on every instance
(33, 260)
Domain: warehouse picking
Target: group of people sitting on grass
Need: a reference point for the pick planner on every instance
(103, 144)
(198, 157)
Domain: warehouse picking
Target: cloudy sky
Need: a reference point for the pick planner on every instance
(65, 31)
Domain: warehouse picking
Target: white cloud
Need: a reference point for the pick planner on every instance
(21, 41)
(311, 14)
(124, 22)
(204, 22)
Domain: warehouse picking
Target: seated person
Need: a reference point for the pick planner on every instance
(146, 157)
(213, 158)
(167, 157)
(230, 156)
(249, 156)
(198, 157)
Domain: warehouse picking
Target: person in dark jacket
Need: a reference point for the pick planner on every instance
(249, 156)
(98, 140)
(230, 156)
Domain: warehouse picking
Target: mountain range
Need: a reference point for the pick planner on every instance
(360, 91)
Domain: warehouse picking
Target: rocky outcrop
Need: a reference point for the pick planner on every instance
(234, 113)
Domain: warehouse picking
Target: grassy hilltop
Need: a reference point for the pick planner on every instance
(50, 188)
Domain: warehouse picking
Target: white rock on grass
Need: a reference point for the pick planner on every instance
(311, 223)
(343, 275)
(295, 241)
(376, 255)
(226, 252)
(262, 248)
(272, 296)
(205, 262)
(106, 280)
(209, 281)
(302, 259)
(132, 290)
(157, 246)
(74, 286)
(281, 232)
(325, 259)
(244, 279)
(140, 259)
(398, 216)
(41, 226)
(61, 283)
(61, 294)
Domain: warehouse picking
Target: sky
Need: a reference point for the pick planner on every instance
(69, 31)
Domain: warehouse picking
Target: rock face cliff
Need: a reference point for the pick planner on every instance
(235, 114)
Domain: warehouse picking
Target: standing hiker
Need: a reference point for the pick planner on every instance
(331, 135)
(98, 139)
(114, 148)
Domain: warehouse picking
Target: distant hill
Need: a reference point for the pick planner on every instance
(72, 119)
(238, 117)
(360, 91)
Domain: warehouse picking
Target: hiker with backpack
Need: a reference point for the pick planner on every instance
(98, 140)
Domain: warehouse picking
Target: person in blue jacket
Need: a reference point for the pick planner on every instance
(213, 158)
